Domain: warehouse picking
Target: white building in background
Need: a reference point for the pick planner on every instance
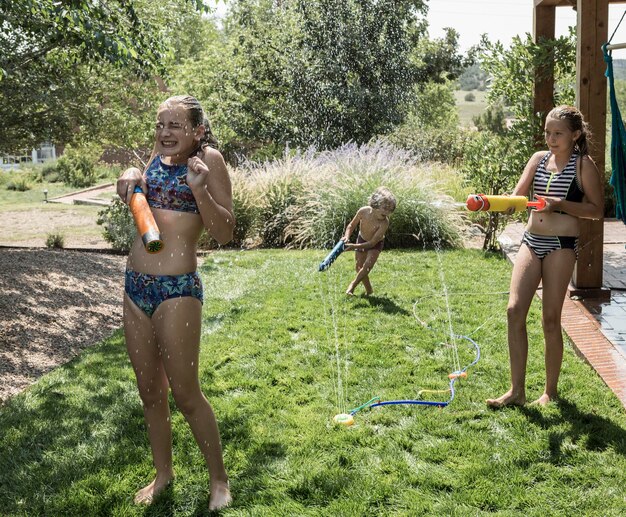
(44, 153)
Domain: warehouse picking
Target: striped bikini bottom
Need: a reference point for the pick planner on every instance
(543, 245)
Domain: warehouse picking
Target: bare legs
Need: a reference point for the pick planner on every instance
(558, 268)
(364, 262)
(555, 271)
(524, 281)
(166, 348)
(153, 389)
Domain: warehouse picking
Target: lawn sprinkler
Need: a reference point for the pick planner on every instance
(144, 220)
(343, 419)
(484, 203)
(347, 419)
(332, 256)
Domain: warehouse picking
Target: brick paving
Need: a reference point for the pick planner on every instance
(596, 329)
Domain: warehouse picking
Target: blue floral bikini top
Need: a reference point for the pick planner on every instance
(167, 187)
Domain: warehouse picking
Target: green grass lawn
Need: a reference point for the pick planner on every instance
(73, 221)
(11, 199)
(283, 351)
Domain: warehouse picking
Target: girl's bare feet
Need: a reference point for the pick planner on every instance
(220, 495)
(544, 400)
(508, 399)
(147, 494)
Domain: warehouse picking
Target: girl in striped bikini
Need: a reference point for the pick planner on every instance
(569, 181)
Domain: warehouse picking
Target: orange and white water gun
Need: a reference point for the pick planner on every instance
(144, 220)
(484, 203)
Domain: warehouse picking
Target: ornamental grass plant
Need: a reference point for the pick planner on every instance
(306, 199)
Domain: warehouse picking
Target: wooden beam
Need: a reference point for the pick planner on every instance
(567, 3)
(592, 30)
(555, 3)
(544, 19)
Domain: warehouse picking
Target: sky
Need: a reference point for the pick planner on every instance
(503, 19)
(500, 19)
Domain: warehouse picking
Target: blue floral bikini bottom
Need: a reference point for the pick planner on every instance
(148, 291)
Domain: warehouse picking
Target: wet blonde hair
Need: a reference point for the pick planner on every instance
(382, 197)
(196, 117)
(575, 121)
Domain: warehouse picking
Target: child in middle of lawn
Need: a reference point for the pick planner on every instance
(373, 221)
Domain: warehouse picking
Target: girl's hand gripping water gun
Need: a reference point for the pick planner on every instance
(484, 203)
(144, 220)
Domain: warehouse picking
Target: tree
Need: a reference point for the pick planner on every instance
(323, 72)
(53, 52)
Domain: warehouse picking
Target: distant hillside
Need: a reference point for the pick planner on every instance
(473, 78)
(619, 69)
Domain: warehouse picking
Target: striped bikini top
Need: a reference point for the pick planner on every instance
(563, 185)
(167, 187)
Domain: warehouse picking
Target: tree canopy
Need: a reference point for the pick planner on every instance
(271, 73)
(53, 55)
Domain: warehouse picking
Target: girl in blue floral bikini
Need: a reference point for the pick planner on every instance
(569, 181)
(188, 189)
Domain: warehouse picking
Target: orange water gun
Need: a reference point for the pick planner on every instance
(484, 203)
(144, 220)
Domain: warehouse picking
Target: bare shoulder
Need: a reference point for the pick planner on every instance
(537, 157)
(213, 158)
(587, 163)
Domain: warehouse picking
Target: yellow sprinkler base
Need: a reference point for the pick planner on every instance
(343, 419)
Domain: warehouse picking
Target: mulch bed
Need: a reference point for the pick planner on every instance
(53, 305)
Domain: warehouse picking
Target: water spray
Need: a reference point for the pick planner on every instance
(347, 419)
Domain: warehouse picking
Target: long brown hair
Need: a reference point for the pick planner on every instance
(576, 122)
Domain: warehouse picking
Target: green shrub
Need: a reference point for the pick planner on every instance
(55, 241)
(244, 206)
(18, 183)
(431, 144)
(49, 171)
(77, 166)
(108, 172)
(119, 226)
(492, 165)
(275, 187)
(31, 173)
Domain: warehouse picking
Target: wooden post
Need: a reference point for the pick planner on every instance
(543, 28)
(592, 32)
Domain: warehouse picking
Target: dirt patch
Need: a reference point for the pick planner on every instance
(53, 305)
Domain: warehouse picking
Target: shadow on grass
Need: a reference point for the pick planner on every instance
(163, 504)
(46, 431)
(385, 304)
(594, 432)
